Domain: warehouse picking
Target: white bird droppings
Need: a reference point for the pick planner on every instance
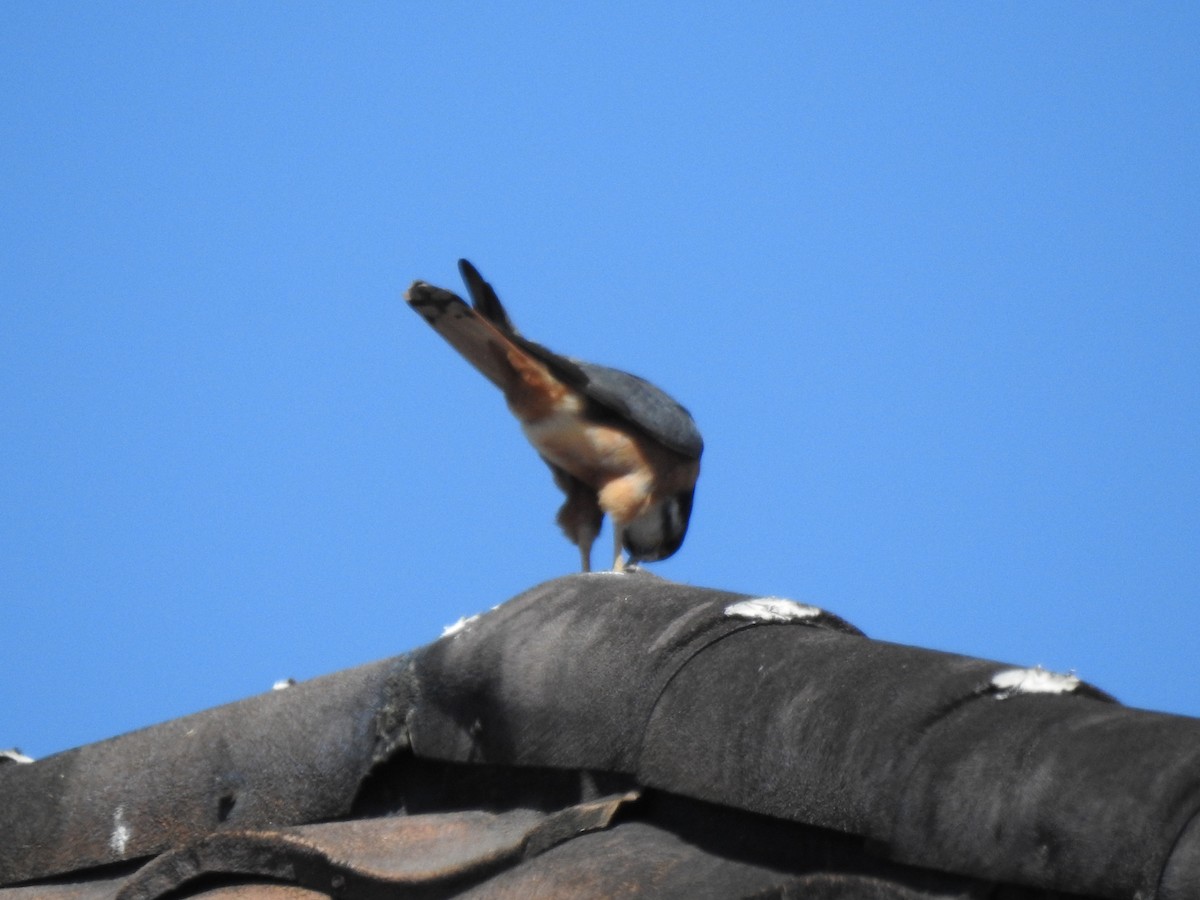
(772, 609)
(119, 839)
(1037, 680)
(460, 625)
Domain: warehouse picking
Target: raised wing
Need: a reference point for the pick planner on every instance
(627, 396)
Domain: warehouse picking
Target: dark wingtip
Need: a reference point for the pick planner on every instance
(483, 295)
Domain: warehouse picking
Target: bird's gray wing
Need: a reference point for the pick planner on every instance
(626, 396)
(638, 401)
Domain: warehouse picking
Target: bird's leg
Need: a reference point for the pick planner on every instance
(618, 548)
(579, 516)
(584, 536)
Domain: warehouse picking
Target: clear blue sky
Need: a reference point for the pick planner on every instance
(928, 276)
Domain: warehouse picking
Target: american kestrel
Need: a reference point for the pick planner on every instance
(616, 444)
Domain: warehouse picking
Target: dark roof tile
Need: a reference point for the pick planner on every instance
(778, 750)
(283, 757)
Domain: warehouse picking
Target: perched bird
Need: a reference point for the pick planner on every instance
(616, 444)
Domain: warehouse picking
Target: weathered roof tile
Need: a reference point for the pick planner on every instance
(777, 751)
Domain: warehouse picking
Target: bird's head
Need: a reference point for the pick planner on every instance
(660, 530)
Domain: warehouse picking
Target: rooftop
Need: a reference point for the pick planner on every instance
(606, 735)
